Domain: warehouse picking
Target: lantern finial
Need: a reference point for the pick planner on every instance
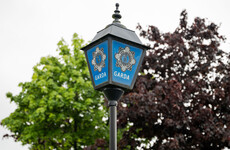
(116, 16)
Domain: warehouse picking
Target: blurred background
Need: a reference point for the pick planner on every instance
(30, 29)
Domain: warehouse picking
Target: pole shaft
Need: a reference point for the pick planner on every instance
(113, 128)
(113, 94)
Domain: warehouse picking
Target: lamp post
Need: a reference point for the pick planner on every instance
(114, 57)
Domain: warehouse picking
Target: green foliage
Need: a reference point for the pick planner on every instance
(58, 108)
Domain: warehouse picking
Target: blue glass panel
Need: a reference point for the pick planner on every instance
(124, 63)
(98, 60)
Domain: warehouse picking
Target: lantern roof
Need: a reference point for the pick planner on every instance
(116, 29)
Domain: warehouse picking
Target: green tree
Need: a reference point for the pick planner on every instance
(58, 108)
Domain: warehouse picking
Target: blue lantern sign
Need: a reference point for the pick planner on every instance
(125, 62)
(114, 56)
(98, 63)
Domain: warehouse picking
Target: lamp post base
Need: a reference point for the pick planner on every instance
(113, 94)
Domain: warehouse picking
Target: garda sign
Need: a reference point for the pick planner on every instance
(98, 63)
(125, 62)
(114, 62)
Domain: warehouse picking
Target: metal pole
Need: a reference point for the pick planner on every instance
(113, 125)
(113, 94)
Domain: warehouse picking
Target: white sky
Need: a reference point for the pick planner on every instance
(30, 29)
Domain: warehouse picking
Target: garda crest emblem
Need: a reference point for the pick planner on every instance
(125, 59)
(98, 60)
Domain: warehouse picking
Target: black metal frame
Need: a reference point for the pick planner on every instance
(110, 38)
(114, 90)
